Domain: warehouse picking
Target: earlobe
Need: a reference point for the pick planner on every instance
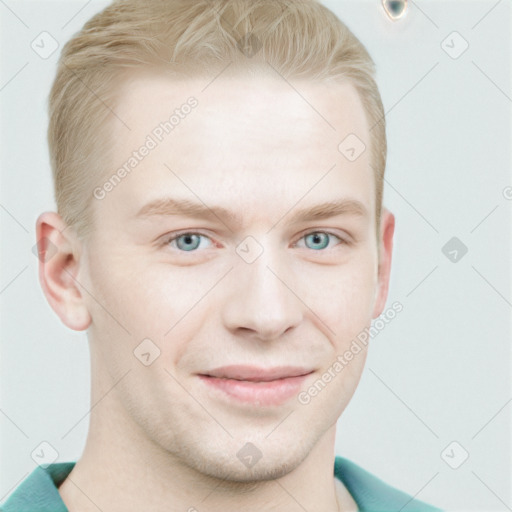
(387, 229)
(59, 264)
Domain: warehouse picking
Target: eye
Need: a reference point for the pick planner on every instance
(192, 241)
(186, 242)
(319, 240)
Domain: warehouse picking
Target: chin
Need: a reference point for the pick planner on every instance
(275, 461)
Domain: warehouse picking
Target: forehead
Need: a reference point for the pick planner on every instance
(240, 106)
(246, 135)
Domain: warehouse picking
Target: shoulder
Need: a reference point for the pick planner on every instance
(374, 495)
(39, 491)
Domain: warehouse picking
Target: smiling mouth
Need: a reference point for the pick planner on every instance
(257, 374)
(255, 386)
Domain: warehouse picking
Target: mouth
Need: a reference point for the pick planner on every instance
(257, 374)
(257, 386)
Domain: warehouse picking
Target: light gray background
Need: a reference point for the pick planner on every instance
(439, 372)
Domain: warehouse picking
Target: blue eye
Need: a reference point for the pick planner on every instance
(187, 241)
(190, 242)
(319, 239)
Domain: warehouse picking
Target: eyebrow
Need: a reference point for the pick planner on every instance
(169, 206)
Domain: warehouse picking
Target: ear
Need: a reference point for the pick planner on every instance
(59, 252)
(387, 229)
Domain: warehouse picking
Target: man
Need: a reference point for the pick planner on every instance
(220, 234)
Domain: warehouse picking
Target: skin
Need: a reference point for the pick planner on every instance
(161, 440)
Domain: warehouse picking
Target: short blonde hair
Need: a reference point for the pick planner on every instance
(298, 38)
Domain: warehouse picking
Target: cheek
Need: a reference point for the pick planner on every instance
(343, 297)
(344, 301)
(154, 302)
(145, 298)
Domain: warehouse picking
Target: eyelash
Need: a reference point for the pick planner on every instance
(175, 236)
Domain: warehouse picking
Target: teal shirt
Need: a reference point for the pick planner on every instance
(39, 491)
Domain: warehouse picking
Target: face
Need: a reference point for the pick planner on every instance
(245, 238)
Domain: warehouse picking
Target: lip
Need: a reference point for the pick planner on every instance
(257, 374)
(258, 386)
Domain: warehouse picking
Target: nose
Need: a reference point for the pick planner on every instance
(262, 302)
